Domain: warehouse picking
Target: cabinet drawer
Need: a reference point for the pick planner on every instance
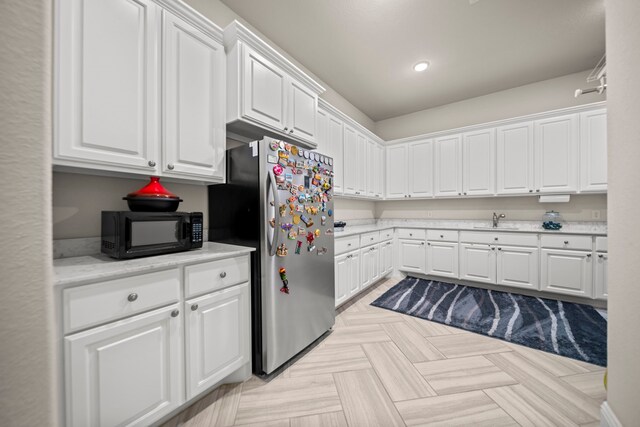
(601, 244)
(517, 239)
(386, 234)
(567, 242)
(214, 275)
(370, 238)
(105, 301)
(477, 237)
(442, 235)
(412, 233)
(346, 244)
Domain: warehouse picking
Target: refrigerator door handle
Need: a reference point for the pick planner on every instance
(276, 213)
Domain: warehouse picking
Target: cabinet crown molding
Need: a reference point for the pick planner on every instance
(502, 122)
(236, 32)
(195, 18)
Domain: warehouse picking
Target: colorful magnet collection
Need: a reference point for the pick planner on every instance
(308, 180)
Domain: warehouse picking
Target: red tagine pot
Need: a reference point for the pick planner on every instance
(153, 197)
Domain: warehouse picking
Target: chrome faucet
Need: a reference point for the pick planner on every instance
(496, 219)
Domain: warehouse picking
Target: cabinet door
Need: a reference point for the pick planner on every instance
(194, 136)
(556, 144)
(397, 172)
(322, 134)
(566, 272)
(593, 151)
(442, 259)
(478, 262)
(601, 288)
(379, 171)
(366, 264)
(302, 107)
(360, 164)
(370, 171)
(107, 84)
(386, 258)
(518, 267)
(265, 86)
(350, 160)
(336, 138)
(420, 169)
(218, 336)
(126, 372)
(448, 166)
(515, 159)
(354, 273)
(412, 256)
(342, 276)
(478, 155)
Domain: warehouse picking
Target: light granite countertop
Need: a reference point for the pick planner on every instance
(584, 228)
(91, 268)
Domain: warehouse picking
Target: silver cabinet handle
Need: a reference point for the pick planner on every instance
(175, 313)
(465, 194)
(372, 249)
(291, 131)
(223, 274)
(152, 163)
(170, 166)
(194, 307)
(132, 297)
(499, 249)
(493, 249)
(601, 256)
(588, 255)
(372, 238)
(566, 242)
(495, 238)
(410, 234)
(530, 191)
(538, 190)
(442, 236)
(348, 244)
(286, 129)
(409, 195)
(459, 194)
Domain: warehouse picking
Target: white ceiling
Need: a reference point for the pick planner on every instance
(365, 49)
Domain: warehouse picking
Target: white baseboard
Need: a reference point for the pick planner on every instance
(607, 417)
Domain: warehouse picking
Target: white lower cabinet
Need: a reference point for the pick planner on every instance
(442, 259)
(517, 267)
(353, 275)
(412, 255)
(567, 272)
(370, 270)
(126, 372)
(342, 271)
(386, 258)
(478, 262)
(213, 319)
(601, 290)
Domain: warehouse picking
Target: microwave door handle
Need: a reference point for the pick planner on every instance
(276, 210)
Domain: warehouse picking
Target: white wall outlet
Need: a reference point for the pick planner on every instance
(595, 214)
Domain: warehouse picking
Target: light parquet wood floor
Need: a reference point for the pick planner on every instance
(380, 368)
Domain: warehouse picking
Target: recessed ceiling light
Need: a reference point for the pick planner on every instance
(421, 66)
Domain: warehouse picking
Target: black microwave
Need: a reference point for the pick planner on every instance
(128, 234)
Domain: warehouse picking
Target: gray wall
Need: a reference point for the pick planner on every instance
(623, 57)
(532, 98)
(27, 359)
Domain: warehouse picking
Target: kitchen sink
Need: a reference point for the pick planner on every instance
(480, 227)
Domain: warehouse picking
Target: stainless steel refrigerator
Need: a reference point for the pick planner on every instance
(278, 199)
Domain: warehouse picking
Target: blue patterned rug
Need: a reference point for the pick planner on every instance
(572, 330)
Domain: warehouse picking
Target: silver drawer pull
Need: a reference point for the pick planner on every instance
(175, 313)
(194, 307)
(588, 255)
(442, 236)
(132, 297)
(566, 242)
(223, 274)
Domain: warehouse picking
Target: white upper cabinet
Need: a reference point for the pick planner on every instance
(106, 84)
(420, 180)
(322, 128)
(448, 166)
(379, 171)
(360, 164)
(336, 137)
(593, 150)
(370, 169)
(397, 171)
(194, 101)
(515, 157)
(265, 91)
(556, 146)
(478, 156)
(140, 89)
(267, 94)
(350, 173)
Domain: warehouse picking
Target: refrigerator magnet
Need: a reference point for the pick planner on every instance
(329, 231)
(286, 226)
(323, 220)
(293, 235)
(311, 248)
(273, 145)
(272, 222)
(310, 238)
(330, 212)
(294, 150)
(278, 169)
(283, 209)
(322, 251)
(287, 147)
(317, 232)
(296, 219)
(298, 246)
(272, 159)
(282, 250)
(281, 145)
